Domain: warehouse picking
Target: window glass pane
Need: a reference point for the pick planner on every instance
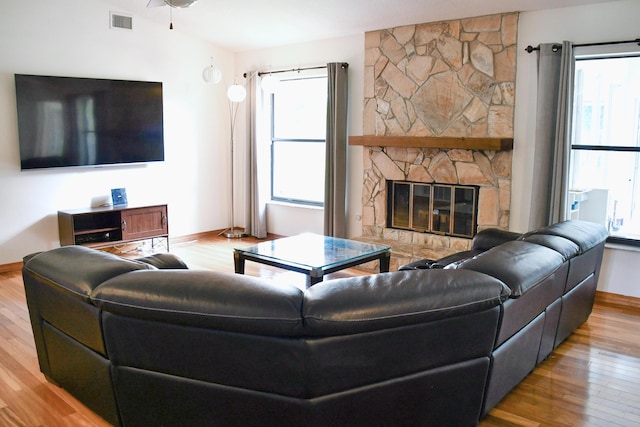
(298, 140)
(421, 206)
(441, 209)
(607, 102)
(464, 207)
(401, 194)
(299, 109)
(605, 188)
(298, 171)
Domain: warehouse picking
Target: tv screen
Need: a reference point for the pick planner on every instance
(68, 121)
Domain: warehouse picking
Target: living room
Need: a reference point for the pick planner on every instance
(194, 178)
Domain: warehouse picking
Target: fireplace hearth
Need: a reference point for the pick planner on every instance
(437, 182)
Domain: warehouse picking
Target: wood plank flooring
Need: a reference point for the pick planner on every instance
(592, 379)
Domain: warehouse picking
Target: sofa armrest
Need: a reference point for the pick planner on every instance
(423, 264)
(484, 240)
(58, 268)
(492, 237)
(164, 261)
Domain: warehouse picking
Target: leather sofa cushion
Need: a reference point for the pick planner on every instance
(565, 247)
(251, 305)
(388, 300)
(224, 301)
(58, 266)
(520, 265)
(583, 233)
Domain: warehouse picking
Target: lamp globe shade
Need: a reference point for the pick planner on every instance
(236, 93)
(212, 74)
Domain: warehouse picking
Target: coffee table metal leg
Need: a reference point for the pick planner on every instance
(314, 276)
(313, 280)
(238, 261)
(385, 260)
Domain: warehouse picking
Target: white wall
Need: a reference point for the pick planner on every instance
(72, 38)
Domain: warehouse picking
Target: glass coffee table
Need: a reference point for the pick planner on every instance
(313, 255)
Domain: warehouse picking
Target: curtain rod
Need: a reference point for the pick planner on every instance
(530, 48)
(319, 67)
(262, 73)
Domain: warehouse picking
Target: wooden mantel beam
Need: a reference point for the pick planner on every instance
(446, 142)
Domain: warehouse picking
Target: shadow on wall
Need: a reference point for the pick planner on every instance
(100, 201)
(41, 235)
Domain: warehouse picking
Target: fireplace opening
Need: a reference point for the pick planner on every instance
(446, 209)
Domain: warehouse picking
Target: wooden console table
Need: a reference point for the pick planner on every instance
(113, 225)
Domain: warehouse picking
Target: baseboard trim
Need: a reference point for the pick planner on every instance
(10, 268)
(609, 298)
(210, 234)
(195, 236)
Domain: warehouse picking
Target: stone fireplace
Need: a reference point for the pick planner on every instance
(438, 109)
(489, 171)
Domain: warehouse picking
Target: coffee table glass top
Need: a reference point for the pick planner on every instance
(313, 251)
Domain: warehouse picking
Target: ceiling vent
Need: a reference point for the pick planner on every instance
(120, 21)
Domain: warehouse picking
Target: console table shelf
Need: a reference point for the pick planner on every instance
(113, 225)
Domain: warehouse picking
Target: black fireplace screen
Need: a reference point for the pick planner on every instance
(437, 208)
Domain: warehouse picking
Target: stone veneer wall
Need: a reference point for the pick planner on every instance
(454, 79)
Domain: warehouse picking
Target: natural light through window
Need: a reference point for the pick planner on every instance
(605, 158)
(298, 140)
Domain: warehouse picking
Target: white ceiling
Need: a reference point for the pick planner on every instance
(241, 25)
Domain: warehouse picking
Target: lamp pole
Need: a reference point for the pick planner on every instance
(232, 233)
(236, 94)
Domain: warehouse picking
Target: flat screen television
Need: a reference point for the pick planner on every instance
(69, 121)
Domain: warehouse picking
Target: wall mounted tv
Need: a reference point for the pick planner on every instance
(69, 121)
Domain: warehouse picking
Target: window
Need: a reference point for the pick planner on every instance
(605, 152)
(299, 117)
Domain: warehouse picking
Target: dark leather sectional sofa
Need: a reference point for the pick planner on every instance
(150, 343)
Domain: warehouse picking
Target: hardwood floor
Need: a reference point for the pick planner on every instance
(592, 379)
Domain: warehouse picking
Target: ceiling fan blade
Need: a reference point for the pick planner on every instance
(156, 3)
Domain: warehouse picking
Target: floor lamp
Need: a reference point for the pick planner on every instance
(236, 94)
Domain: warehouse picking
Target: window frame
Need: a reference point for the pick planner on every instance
(603, 53)
(274, 140)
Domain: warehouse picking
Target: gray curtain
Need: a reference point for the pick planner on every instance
(335, 213)
(257, 178)
(553, 132)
